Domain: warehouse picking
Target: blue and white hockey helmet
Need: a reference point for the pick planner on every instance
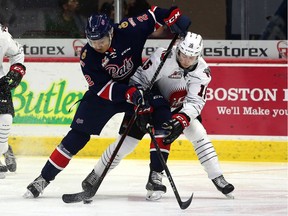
(98, 26)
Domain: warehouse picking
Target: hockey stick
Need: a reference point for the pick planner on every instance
(183, 205)
(86, 195)
(163, 61)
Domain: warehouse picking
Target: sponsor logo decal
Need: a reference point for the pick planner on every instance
(77, 46)
(282, 47)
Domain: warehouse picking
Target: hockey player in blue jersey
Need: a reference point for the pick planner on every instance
(111, 56)
(177, 97)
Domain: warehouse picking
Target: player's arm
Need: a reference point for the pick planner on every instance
(173, 18)
(192, 105)
(118, 92)
(105, 87)
(145, 73)
(154, 18)
(17, 70)
(195, 99)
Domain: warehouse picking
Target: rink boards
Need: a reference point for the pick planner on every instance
(246, 112)
(228, 150)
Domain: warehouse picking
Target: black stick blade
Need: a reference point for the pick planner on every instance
(186, 204)
(77, 197)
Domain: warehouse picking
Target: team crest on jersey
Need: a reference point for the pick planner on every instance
(176, 98)
(175, 75)
(119, 72)
(207, 71)
(123, 25)
(84, 54)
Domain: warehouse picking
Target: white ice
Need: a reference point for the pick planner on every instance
(261, 189)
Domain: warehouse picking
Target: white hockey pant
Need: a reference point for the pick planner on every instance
(204, 149)
(127, 147)
(5, 127)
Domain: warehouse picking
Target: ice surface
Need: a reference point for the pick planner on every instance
(261, 189)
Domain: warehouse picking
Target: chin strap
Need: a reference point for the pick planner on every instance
(110, 35)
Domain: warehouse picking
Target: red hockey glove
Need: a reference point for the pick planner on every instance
(175, 127)
(177, 22)
(14, 76)
(134, 96)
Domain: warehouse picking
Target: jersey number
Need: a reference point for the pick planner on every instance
(89, 80)
(142, 18)
(202, 92)
(147, 64)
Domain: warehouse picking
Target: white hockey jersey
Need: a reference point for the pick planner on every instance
(9, 48)
(188, 91)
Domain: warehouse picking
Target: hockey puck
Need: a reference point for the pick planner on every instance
(87, 201)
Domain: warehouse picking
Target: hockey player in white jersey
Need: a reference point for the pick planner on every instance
(178, 97)
(182, 81)
(8, 80)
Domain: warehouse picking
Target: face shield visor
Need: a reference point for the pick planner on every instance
(99, 32)
(186, 61)
(101, 44)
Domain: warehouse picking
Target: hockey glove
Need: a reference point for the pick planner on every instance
(175, 127)
(3, 81)
(135, 96)
(177, 22)
(14, 76)
(144, 116)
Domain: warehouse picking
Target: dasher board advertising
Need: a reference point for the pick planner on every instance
(212, 48)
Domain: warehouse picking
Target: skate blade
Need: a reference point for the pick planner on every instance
(28, 195)
(229, 196)
(154, 195)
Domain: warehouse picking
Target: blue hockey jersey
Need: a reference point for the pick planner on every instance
(108, 73)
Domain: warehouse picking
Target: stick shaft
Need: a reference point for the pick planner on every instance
(183, 205)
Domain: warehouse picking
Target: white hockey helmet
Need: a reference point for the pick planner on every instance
(191, 45)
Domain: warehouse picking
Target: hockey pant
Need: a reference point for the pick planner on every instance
(5, 127)
(204, 149)
(6, 103)
(161, 114)
(126, 148)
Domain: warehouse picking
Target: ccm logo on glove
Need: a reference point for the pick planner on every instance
(175, 127)
(14, 76)
(174, 15)
(183, 119)
(19, 68)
